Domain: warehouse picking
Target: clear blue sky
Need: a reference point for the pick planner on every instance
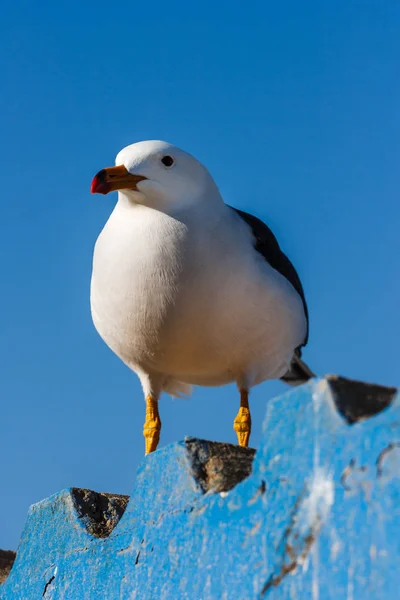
(293, 107)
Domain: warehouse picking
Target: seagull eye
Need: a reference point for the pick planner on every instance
(167, 161)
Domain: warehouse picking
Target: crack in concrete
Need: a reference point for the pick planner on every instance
(309, 512)
(392, 450)
(296, 557)
(50, 581)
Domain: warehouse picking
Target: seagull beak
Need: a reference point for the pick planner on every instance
(114, 178)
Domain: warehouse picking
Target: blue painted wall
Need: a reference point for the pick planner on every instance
(318, 518)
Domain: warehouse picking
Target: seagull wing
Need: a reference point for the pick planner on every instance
(267, 245)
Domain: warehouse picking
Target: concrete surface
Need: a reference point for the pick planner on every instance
(313, 514)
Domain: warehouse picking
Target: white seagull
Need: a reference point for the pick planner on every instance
(188, 290)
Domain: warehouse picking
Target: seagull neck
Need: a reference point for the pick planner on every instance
(211, 206)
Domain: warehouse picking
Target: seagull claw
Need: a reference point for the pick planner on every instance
(152, 425)
(242, 422)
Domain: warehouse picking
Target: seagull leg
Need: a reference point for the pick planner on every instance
(242, 423)
(152, 425)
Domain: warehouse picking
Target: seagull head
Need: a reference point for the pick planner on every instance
(159, 175)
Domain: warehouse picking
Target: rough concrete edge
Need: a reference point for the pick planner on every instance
(7, 558)
(100, 512)
(357, 400)
(218, 466)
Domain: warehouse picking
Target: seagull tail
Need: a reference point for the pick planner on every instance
(298, 373)
(177, 389)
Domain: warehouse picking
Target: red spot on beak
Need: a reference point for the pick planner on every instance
(99, 184)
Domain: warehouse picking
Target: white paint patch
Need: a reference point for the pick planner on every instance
(336, 547)
(314, 509)
(315, 572)
(350, 582)
(313, 512)
(317, 505)
(319, 393)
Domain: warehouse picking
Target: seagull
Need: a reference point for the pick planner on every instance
(187, 290)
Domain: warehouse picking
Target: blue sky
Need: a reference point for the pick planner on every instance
(292, 106)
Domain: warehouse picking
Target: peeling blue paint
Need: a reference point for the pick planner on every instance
(318, 518)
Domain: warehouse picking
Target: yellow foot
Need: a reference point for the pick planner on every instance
(152, 425)
(242, 423)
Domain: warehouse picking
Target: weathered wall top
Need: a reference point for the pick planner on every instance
(314, 513)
